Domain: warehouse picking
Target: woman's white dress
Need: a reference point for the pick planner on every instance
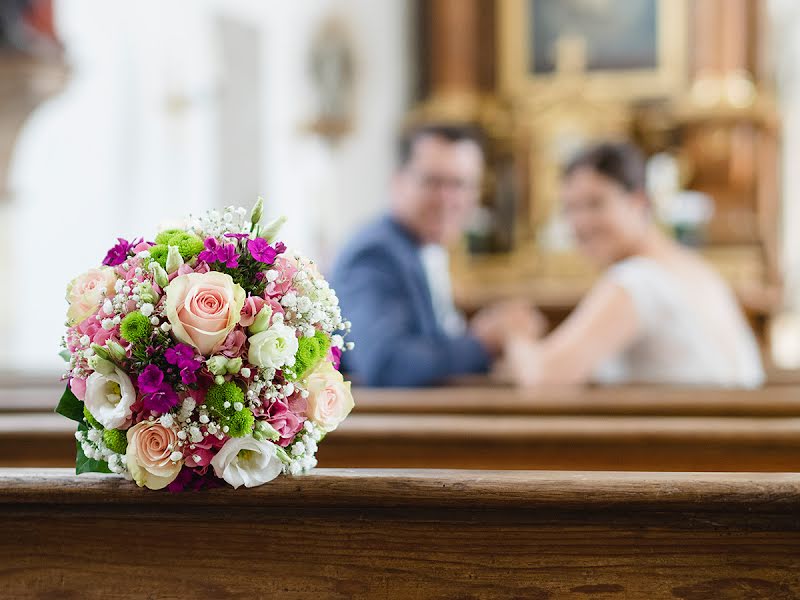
(687, 336)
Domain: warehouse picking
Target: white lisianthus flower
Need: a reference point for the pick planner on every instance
(109, 398)
(274, 348)
(247, 462)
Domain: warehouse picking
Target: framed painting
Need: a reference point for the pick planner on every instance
(621, 49)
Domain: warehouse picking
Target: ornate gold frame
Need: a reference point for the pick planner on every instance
(665, 81)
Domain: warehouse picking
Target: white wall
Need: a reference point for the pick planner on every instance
(326, 191)
(133, 142)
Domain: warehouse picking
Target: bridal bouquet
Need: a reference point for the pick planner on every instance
(208, 355)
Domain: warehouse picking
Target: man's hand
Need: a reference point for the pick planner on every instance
(495, 324)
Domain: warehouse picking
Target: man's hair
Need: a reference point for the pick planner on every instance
(621, 162)
(449, 132)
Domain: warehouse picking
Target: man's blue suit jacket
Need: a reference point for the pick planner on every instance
(384, 292)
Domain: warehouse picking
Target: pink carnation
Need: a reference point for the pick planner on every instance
(286, 272)
(285, 422)
(233, 344)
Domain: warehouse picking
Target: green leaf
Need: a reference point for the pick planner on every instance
(84, 464)
(70, 407)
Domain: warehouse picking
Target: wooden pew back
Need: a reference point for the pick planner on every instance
(495, 442)
(405, 534)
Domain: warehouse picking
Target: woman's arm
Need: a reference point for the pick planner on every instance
(602, 325)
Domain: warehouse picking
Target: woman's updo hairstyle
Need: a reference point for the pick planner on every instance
(621, 162)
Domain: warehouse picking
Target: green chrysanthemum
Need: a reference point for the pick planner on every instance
(219, 395)
(241, 423)
(116, 440)
(221, 402)
(165, 236)
(189, 245)
(159, 254)
(90, 420)
(135, 328)
(309, 353)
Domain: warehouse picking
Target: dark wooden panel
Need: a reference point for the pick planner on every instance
(406, 534)
(495, 442)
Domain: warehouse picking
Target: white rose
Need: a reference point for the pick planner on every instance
(329, 397)
(246, 461)
(86, 293)
(109, 398)
(274, 348)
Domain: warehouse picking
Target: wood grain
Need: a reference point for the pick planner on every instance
(476, 396)
(615, 401)
(405, 534)
(495, 442)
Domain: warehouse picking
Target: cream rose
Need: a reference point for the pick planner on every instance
(109, 398)
(247, 461)
(86, 293)
(329, 397)
(274, 348)
(151, 454)
(203, 308)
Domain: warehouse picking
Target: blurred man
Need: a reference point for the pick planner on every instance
(393, 278)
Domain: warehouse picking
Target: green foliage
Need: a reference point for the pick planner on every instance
(70, 407)
(116, 440)
(84, 464)
(136, 328)
(309, 354)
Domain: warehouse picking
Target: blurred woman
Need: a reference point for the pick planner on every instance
(659, 314)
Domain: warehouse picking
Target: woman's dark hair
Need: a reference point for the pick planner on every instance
(621, 162)
(448, 132)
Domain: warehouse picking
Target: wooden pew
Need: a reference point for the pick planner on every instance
(495, 442)
(405, 534)
(781, 401)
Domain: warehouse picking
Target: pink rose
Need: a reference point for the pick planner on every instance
(152, 449)
(87, 292)
(203, 308)
(252, 306)
(330, 399)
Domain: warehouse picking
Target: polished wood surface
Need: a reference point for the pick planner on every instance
(405, 534)
(478, 395)
(494, 442)
(663, 401)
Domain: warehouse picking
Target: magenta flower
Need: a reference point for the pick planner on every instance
(182, 356)
(264, 253)
(221, 253)
(119, 253)
(150, 379)
(194, 480)
(160, 401)
(189, 376)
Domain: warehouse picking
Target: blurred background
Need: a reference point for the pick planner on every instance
(117, 116)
